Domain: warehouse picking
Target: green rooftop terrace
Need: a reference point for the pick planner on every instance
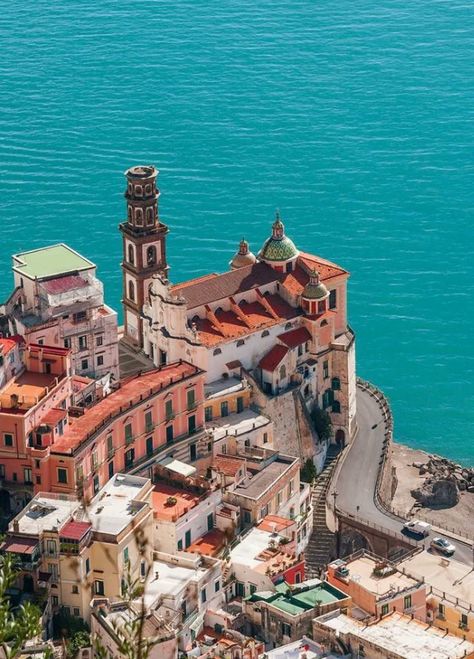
(301, 598)
(50, 262)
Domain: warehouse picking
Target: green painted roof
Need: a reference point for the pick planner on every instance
(50, 262)
(289, 606)
(278, 249)
(314, 596)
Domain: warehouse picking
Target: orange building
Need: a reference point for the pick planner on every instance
(150, 414)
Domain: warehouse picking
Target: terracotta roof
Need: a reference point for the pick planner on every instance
(54, 415)
(74, 530)
(274, 523)
(273, 358)
(229, 466)
(7, 345)
(295, 337)
(218, 287)
(295, 281)
(20, 545)
(184, 501)
(144, 385)
(64, 284)
(209, 544)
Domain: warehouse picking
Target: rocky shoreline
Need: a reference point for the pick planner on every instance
(444, 480)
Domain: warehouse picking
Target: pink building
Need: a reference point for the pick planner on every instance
(59, 301)
(33, 404)
(153, 415)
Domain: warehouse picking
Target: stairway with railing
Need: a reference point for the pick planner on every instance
(322, 544)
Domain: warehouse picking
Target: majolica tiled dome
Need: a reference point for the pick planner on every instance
(278, 247)
(243, 257)
(315, 289)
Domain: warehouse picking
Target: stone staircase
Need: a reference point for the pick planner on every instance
(322, 544)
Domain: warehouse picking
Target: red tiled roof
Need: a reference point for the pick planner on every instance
(218, 287)
(295, 281)
(273, 358)
(275, 523)
(229, 466)
(74, 530)
(184, 501)
(144, 385)
(53, 416)
(7, 345)
(295, 337)
(209, 544)
(64, 284)
(20, 545)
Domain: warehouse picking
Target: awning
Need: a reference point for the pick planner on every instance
(178, 466)
(20, 545)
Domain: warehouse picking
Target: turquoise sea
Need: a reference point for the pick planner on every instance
(355, 118)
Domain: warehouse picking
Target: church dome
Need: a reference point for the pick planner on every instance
(243, 256)
(278, 247)
(315, 289)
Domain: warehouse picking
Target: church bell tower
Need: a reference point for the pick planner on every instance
(144, 247)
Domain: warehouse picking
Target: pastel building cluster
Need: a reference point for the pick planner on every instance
(171, 459)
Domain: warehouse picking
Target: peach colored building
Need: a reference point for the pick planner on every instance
(377, 586)
(148, 416)
(33, 414)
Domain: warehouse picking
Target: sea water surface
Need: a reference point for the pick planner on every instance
(354, 117)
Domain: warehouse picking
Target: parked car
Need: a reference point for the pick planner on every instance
(442, 545)
(418, 528)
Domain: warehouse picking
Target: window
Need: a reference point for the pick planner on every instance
(253, 588)
(208, 413)
(131, 254)
(54, 600)
(328, 398)
(142, 568)
(76, 612)
(217, 351)
(288, 326)
(286, 629)
(384, 610)
(94, 460)
(407, 602)
(463, 622)
(151, 251)
(8, 439)
(192, 424)
(217, 586)
(128, 433)
(240, 342)
(99, 341)
(265, 437)
(265, 333)
(138, 191)
(332, 299)
(336, 407)
(28, 475)
(322, 306)
(2, 471)
(169, 434)
(169, 408)
(148, 421)
(240, 404)
(110, 445)
(224, 408)
(51, 547)
(99, 587)
(111, 469)
(247, 517)
(263, 512)
(79, 317)
(131, 291)
(126, 557)
(100, 360)
(191, 398)
(62, 475)
(129, 458)
(441, 610)
(336, 384)
(75, 589)
(325, 370)
(82, 342)
(139, 215)
(88, 565)
(67, 343)
(210, 522)
(203, 595)
(96, 484)
(291, 487)
(279, 497)
(282, 372)
(180, 545)
(192, 452)
(149, 216)
(300, 350)
(84, 365)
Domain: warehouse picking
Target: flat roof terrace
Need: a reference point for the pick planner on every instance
(237, 424)
(50, 261)
(185, 500)
(361, 570)
(260, 482)
(25, 391)
(45, 512)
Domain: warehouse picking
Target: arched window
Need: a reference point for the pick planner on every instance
(131, 255)
(139, 216)
(336, 384)
(148, 188)
(195, 319)
(324, 323)
(282, 372)
(240, 342)
(138, 191)
(217, 351)
(288, 326)
(336, 407)
(265, 333)
(149, 216)
(131, 290)
(129, 213)
(130, 188)
(322, 306)
(151, 255)
(328, 398)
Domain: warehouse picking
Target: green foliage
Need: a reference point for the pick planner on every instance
(78, 641)
(66, 626)
(322, 423)
(16, 627)
(308, 472)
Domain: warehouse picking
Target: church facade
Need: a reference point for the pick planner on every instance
(278, 318)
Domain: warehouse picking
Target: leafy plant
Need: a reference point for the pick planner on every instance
(322, 423)
(308, 471)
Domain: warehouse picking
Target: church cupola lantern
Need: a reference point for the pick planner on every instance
(314, 296)
(243, 256)
(278, 250)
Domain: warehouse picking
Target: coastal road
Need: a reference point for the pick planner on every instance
(357, 478)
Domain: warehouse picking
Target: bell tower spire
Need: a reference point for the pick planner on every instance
(144, 246)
